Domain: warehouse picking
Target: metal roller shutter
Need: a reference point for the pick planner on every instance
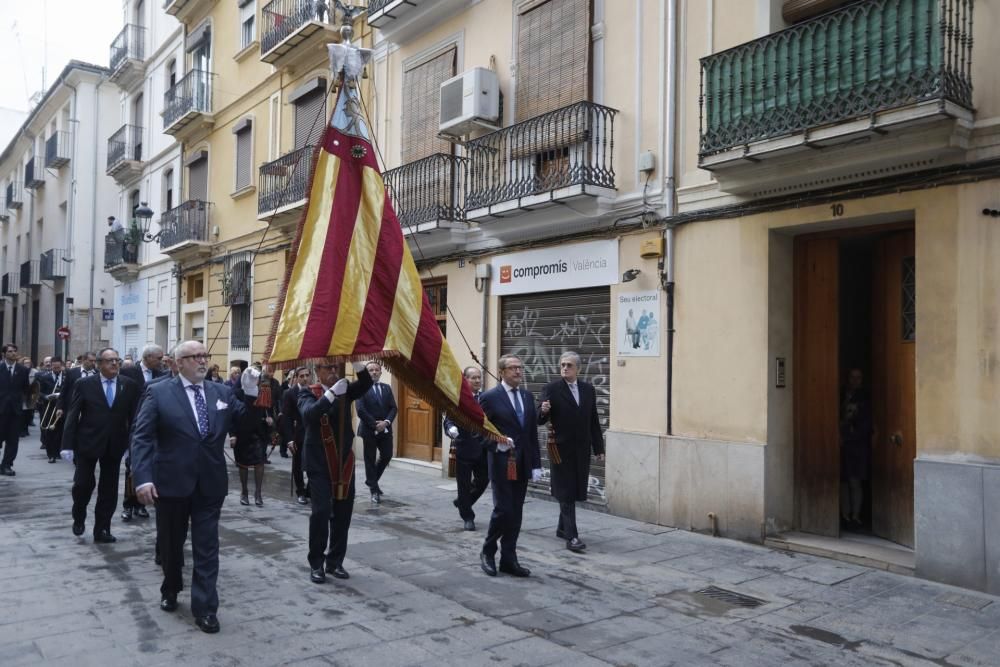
(310, 119)
(198, 180)
(133, 344)
(540, 327)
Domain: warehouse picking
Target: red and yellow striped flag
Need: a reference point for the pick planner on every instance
(352, 291)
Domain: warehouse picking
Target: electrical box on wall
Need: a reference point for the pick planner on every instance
(483, 271)
(651, 248)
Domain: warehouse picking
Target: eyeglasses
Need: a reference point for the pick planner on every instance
(567, 364)
(111, 361)
(199, 357)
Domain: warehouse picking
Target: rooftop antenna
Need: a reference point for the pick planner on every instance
(20, 53)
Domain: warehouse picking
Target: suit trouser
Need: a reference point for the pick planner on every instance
(382, 445)
(52, 439)
(567, 519)
(172, 517)
(472, 478)
(107, 488)
(508, 504)
(10, 432)
(297, 476)
(330, 520)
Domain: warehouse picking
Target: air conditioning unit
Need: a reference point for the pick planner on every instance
(470, 101)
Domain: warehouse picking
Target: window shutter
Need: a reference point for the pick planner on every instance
(310, 118)
(553, 57)
(243, 157)
(198, 180)
(422, 107)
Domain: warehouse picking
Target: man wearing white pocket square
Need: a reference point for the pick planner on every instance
(178, 461)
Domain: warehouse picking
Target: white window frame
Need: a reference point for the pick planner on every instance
(248, 15)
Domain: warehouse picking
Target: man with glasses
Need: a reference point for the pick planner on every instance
(178, 461)
(150, 368)
(511, 464)
(96, 431)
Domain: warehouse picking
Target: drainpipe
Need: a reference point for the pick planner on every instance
(70, 219)
(670, 198)
(93, 217)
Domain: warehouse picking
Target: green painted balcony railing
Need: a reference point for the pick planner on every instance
(866, 57)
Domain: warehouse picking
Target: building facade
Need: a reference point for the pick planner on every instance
(51, 243)
(145, 61)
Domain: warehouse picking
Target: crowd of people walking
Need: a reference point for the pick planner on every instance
(178, 425)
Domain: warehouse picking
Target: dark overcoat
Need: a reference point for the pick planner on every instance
(578, 434)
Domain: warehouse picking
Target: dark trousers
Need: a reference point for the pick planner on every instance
(172, 518)
(508, 504)
(52, 439)
(29, 420)
(473, 478)
(381, 445)
(107, 488)
(567, 519)
(10, 432)
(297, 476)
(330, 520)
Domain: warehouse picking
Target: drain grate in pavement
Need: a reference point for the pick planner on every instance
(730, 597)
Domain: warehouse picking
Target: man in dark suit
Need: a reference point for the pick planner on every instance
(376, 412)
(50, 386)
(569, 405)
(512, 411)
(149, 368)
(13, 387)
(471, 466)
(178, 460)
(331, 483)
(87, 367)
(293, 429)
(96, 431)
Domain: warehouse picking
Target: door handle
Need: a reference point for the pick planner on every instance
(896, 439)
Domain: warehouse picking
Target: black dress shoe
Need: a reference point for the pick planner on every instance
(455, 503)
(338, 571)
(142, 512)
(514, 569)
(487, 563)
(302, 500)
(317, 576)
(168, 603)
(78, 528)
(127, 515)
(470, 525)
(208, 623)
(52, 459)
(375, 499)
(7, 470)
(104, 537)
(575, 545)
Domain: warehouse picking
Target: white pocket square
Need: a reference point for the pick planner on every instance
(219, 405)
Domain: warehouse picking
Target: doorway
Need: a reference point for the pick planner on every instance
(854, 398)
(420, 424)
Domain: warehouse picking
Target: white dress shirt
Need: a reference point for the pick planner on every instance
(510, 395)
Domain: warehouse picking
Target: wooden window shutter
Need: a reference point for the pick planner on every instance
(310, 119)
(243, 157)
(422, 107)
(553, 56)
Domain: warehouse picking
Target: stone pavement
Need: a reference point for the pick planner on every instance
(417, 596)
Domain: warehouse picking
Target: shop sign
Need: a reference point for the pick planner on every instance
(589, 264)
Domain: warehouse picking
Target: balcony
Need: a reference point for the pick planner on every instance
(401, 19)
(294, 30)
(14, 197)
(429, 194)
(52, 264)
(558, 156)
(184, 230)
(282, 188)
(187, 106)
(121, 258)
(125, 161)
(30, 274)
(34, 176)
(57, 150)
(185, 9)
(844, 79)
(4, 213)
(10, 284)
(128, 56)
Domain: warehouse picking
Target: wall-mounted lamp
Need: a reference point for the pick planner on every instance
(630, 275)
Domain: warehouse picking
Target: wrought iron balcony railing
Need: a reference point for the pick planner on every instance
(193, 93)
(377, 5)
(52, 264)
(14, 197)
(30, 274)
(120, 250)
(284, 181)
(34, 177)
(429, 190)
(849, 63)
(281, 18)
(185, 223)
(130, 44)
(562, 148)
(125, 145)
(57, 149)
(10, 284)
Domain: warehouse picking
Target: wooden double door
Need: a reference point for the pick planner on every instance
(819, 375)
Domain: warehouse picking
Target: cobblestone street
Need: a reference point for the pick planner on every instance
(416, 595)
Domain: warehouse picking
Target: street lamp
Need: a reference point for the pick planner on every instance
(142, 217)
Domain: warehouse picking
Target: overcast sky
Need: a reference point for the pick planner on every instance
(73, 29)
